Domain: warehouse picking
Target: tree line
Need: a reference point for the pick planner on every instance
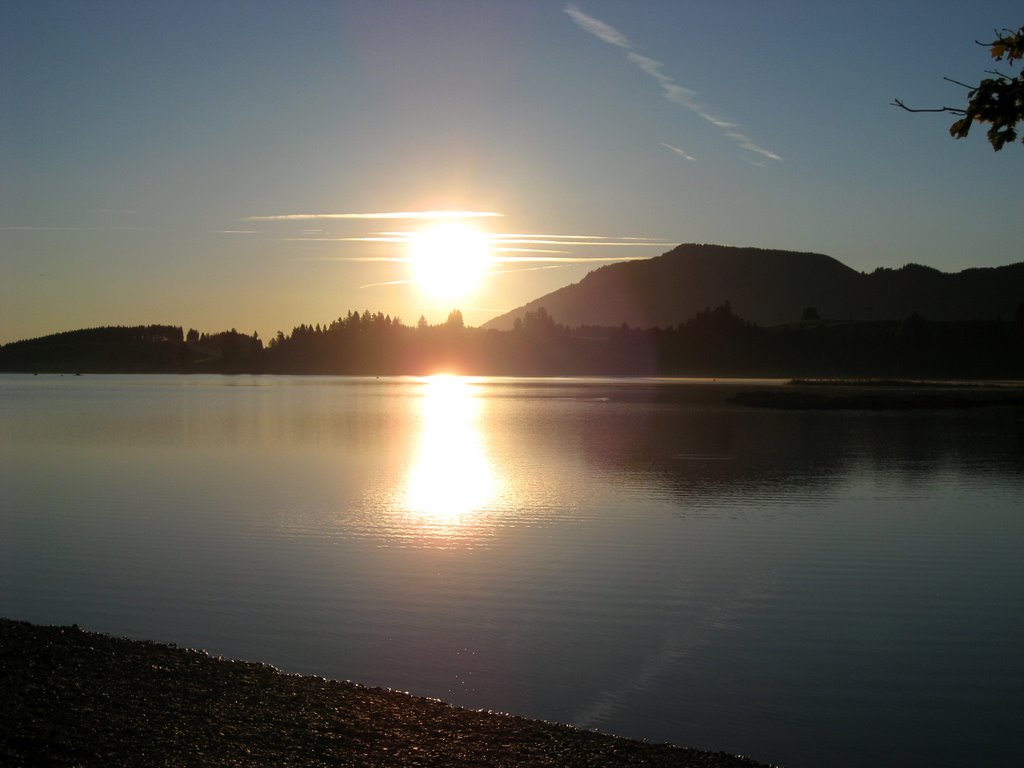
(714, 342)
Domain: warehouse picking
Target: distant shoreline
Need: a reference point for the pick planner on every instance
(884, 394)
(714, 342)
(72, 697)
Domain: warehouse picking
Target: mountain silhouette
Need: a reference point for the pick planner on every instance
(771, 287)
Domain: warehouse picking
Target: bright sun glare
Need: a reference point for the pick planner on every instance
(452, 477)
(449, 260)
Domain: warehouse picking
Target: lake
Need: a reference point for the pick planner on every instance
(636, 556)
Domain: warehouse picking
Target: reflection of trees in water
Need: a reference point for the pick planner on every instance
(705, 453)
(918, 446)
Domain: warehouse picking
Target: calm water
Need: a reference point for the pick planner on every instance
(632, 556)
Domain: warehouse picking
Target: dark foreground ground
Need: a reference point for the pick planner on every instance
(74, 698)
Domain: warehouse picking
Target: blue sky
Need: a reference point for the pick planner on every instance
(148, 150)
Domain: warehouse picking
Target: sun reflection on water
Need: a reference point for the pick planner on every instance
(452, 482)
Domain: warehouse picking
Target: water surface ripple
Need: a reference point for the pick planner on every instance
(637, 556)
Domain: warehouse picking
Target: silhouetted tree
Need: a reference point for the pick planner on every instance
(810, 315)
(715, 341)
(538, 323)
(997, 101)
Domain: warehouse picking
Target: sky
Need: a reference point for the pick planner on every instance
(259, 165)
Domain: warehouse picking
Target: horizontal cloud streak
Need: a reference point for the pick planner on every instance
(75, 229)
(383, 215)
(564, 237)
(500, 240)
(565, 259)
(504, 236)
(606, 243)
(495, 259)
(528, 250)
(387, 282)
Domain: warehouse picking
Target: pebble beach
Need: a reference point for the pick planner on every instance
(69, 697)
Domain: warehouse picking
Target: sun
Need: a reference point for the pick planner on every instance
(449, 260)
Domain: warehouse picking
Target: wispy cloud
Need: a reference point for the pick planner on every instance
(543, 265)
(529, 250)
(716, 121)
(387, 282)
(748, 144)
(510, 252)
(682, 153)
(526, 269)
(382, 215)
(237, 231)
(597, 28)
(364, 239)
(74, 229)
(589, 243)
(495, 259)
(43, 229)
(565, 259)
(499, 240)
(670, 89)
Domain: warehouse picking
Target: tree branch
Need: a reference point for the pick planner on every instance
(948, 110)
(957, 82)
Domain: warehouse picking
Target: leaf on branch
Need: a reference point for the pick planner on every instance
(960, 128)
(997, 101)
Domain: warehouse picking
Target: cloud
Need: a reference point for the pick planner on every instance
(746, 143)
(718, 122)
(679, 152)
(44, 229)
(565, 259)
(509, 235)
(73, 229)
(529, 250)
(503, 239)
(366, 239)
(670, 89)
(384, 215)
(496, 259)
(593, 243)
(387, 282)
(526, 238)
(598, 29)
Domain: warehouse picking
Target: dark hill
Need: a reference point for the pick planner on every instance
(111, 348)
(134, 349)
(772, 287)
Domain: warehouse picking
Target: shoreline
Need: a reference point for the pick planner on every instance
(73, 697)
(883, 395)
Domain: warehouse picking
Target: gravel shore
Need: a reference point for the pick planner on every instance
(74, 698)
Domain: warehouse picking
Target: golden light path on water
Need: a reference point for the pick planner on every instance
(451, 482)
